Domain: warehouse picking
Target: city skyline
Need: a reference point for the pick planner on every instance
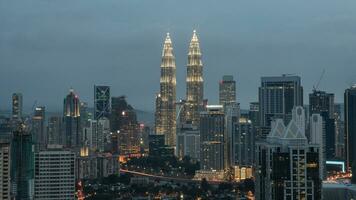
(177, 99)
(269, 40)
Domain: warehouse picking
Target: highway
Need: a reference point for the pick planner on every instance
(166, 178)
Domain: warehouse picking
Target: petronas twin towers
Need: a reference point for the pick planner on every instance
(165, 116)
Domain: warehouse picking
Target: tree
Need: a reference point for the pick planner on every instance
(205, 185)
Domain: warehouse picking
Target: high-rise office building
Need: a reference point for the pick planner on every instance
(165, 107)
(212, 139)
(103, 134)
(129, 140)
(17, 106)
(317, 136)
(38, 127)
(54, 130)
(195, 82)
(254, 114)
(231, 133)
(188, 142)
(227, 90)
(322, 103)
(339, 131)
(245, 149)
(287, 167)
(89, 134)
(71, 120)
(350, 128)
(157, 147)
(96, 134)
(85, 114)
(5, 160)
(54, 174)
(277, 97)
(122, 113)
(22, 164)
(101, 102)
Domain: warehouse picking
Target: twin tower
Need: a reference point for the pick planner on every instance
(165, 115)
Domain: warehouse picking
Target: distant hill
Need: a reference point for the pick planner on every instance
(145, 117)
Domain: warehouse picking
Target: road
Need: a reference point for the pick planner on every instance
(166, 178)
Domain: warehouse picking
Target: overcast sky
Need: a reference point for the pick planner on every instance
(48, 46)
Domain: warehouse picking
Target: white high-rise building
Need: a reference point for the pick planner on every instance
(287, 167)
(103, 133)
(55, 174)
(94, 135)
(317, 136)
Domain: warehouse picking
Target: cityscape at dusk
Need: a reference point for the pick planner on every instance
(230, 99)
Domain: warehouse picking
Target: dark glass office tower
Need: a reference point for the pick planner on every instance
(71, 120)
(350, 128)
(101, 102)
(277, 97)
(213, 153)
(38, 127)
(22, 164)
(322, 103)
(122, 113)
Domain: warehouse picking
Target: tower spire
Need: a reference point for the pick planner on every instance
(195, 83)
(165, 121)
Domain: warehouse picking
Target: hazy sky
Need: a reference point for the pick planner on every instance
(48, 46)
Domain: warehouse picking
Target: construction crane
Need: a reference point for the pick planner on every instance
(316, 86)
(284, 75)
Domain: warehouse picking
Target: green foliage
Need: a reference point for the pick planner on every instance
(165, 164)
(204, 185)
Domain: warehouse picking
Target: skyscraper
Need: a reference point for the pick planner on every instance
(227, 90)
(165, 107)
(5, 159)
(55, 174)
(38, 127)
(231, 133)
(17, 106)
(54, 130)
(339, 131)
(277, 97)
(287, 167)
(71, 120)
(93, 136)
(122, 113)
(22, 164)
(254, 114)
(317, 136)
(322, 103)
(101, 102)
(188, 142)
(350, 128)
(212, 139)
(245, 142)
(195, 82)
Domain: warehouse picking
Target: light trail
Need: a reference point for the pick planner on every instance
(169, 178)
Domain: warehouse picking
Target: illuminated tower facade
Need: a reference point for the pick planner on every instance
(165, 105)
(195, 83)
(71, 119)
(17, 106)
